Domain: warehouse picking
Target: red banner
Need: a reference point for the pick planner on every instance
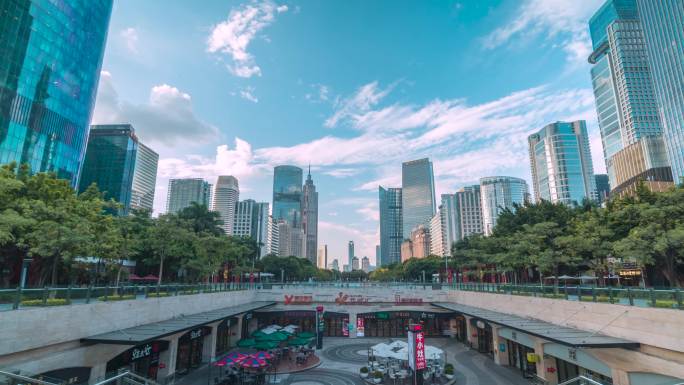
(420, 350)
(345, 327)
(360, 330)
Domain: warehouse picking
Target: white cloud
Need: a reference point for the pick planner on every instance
(233, 35)
(562, 19)
(365, 97)
(166, 118)
(247, 93)
(130, 38)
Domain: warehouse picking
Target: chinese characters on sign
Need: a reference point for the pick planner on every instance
(398, 300)
(420, 350)
(298, 299)
(351, 299)
(360, 330)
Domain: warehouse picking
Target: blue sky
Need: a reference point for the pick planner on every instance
(352, 87)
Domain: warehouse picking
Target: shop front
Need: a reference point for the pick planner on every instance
(520, 349)
(225, 335)
(142, 359)
(573, 362)
(460, 328)
(190, 348)
(395, 323)
(336, 324)
(484, 336)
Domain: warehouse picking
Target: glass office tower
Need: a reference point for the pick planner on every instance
(310, 218)
(50, 60)
(391, 230)
(499, 193)
(663, 25)
(287, 195)
(144, 178)
(110, 162)
(182, 192)
(417, 194)
(562, 170)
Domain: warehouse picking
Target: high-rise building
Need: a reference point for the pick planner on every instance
(420, 241)
(602, 187)
(323, 257)
(562, 170)
(644, 161)
(418, 195)
(310, 218)
(182, 192)
(365, 264)
(499, 193)
(664, 35)
(438, 243)
(273, 237)
(377, 254)
(251, 220)
(110, 162)
(622, 82)
(350, 251)
(391, 229)
(284, 238)
(287, 195)
(226, 196)
(406, 250)
(355, 263)
(144, 178)
(50, 61)
(335, 265)
(469, 209)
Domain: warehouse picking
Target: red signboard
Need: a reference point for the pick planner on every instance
(420, 350)
(345, 327)
(349, 299)
(298, 299)
(398, 300)
(360, 330)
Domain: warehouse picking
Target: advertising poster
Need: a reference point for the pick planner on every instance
(359, 327)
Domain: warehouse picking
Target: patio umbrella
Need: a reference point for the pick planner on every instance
(252, 362)
(277, 336)
(298, 342)
(235, 357)
(265, 345)
(259, 333)
(221, 362)
(246, 343)
(306, 335)
(261, 355)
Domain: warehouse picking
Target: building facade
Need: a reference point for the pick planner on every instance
(418, 195)
(323, 257)
(644, 161)
(287, 195)
(310, 218)
(273, 237)
(110, 163)
(499, 193)
(562, 169)
(226, 196)
(144, 178)
(50, 60)
(406, 250)
(251, 220)
(462, 215)
(350, 252)
(355, 264)
(182, 192)
(664, 35)
(420, 242)
(602, 187)
(391, 228)
(438, 244)
(335, 265)
(365, 264)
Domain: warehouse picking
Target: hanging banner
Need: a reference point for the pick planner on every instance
(345, 327)
(360, 330)
(420, 350)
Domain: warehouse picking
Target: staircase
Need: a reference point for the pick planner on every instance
(581, 380)
(123, 378)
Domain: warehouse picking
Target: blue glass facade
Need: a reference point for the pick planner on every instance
(499, 193)
(663, 26)
(610, 11)
(418, 195)
(391, 230)
(287, 195)
(50, 59)
(110, 162)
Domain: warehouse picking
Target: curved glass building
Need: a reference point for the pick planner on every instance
(417, 195)
(499, 193)
(50, 59)
(287, 195)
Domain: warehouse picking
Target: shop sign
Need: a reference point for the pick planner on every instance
(420, 350)
(298, 299)
(141, 352)
(398, 300)
(360, 330)
(195, 334)
(382, 315)
(345, 327)
(300, 313)
(480, 324)
(502, 347)
(348, 299)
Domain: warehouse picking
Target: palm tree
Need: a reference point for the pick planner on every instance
(201, 219)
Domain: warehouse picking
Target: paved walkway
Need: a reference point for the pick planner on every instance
(342, 358)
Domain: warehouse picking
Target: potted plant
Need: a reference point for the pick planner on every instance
(364, 371)
(449, 371)
(377, 376)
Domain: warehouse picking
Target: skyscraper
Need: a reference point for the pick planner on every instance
(251, 220)
(664, 35)
(226, 196)
(273, 237)
(110, 162)
(418, 195)
(391, 230)
(182, 192)
(462, 215)
(335, 265)
(50, 60)
(350, 251)
(644, 162)
(365, 264)
(499, 193)
(144, 178)
(420, 242)
(438, 244)
(355, 263)
(310, 218)
(323, 257)
(562, 170)
(602, 187)
(287, 195)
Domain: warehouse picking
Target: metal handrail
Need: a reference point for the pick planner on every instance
(127, 374)
(591, 381)
(25, 378)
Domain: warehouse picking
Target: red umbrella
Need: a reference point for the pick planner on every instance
(221, 362)
(150, 277)
(133, 277)
(252, 362)
(261, 355)
(235, 357)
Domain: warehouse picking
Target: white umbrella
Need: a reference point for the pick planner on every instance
(433, 353)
